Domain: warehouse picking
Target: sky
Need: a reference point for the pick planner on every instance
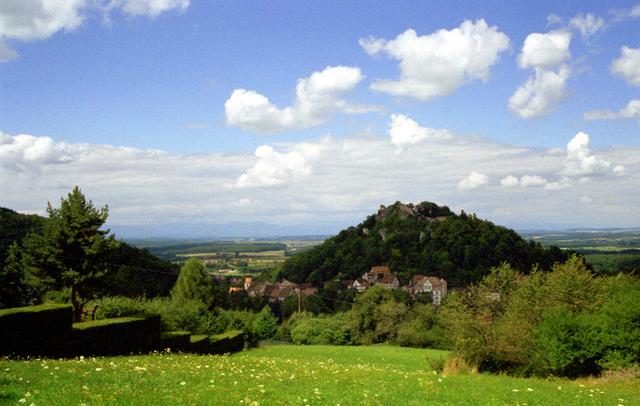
(313, 113)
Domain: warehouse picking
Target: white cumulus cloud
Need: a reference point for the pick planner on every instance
(473, 181)
(532, 180)
(631, 110)
(317, 98)
(20, 151)
(545, 51)
(30, 20)
(540, 94)
(403, 131)
(336, 181)
(278, 168)
(437, 64)
(546, 54)
(510, 181)
(628, 65)
(580, 161)
(587, 24)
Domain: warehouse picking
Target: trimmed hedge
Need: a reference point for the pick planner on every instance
(123, 335)
(200, 344)
(231, 341)
(47, 330)
(35, 330)
(175, 340)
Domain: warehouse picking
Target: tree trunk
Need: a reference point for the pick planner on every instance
(77, 307)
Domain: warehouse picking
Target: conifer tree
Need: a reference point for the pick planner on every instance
(73, 250)
(193, 283)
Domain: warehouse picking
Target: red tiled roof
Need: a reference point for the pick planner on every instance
(388, 279)
(380, 269)
(435, 282)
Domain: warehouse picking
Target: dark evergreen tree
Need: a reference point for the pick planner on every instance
(73, 250)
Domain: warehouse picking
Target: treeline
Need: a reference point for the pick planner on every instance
(421, 239)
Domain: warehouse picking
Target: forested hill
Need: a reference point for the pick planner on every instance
(15, 227)
(419, 239)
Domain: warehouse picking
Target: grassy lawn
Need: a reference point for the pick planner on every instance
(285, 374)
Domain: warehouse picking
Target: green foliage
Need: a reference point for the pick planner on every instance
(420, 239)
(228, 342)
(613, 262)
(14, 227)
(175, 340)
(374, 315)
(32, 330)
(326, 330)
(135, 272)
(421, 328)
(567, 322)
(199, 344)
(264, 324)
(72, 251)
(193, 284)
(119, 306)
(190, 315)
(124, 335)
(13, 289)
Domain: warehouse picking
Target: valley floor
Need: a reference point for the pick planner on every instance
(287, 374)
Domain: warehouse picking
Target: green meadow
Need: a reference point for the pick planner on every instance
(291, 375)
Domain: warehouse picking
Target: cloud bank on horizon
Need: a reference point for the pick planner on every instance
(396, 146)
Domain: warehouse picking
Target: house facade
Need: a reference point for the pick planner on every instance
(428, 284)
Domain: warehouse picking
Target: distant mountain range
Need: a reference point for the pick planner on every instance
(262, 230)
(236, 229)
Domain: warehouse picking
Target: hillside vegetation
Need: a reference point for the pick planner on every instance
(419, 239)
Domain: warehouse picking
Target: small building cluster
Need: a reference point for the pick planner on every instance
(278, 291)
(419, 284)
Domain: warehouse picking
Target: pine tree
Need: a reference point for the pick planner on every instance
(72, 252)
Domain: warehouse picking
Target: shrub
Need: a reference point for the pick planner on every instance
(421, 328)
(120, 306)
(326, 330)
(199, 344)
(34, 330)
(231, 341)
(122, 335)
(175, 340)
(191, 315)
(566, 322)
(264, 324)
(457, 365)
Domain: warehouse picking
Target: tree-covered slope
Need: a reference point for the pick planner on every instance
(419, 239)
(15, 227)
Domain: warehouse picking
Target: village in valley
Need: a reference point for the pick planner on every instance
(419, 285)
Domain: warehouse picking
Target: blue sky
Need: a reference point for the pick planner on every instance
(94, 89)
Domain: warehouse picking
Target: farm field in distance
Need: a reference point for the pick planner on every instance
(237, 257)
(291, 375)
(607, 250)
